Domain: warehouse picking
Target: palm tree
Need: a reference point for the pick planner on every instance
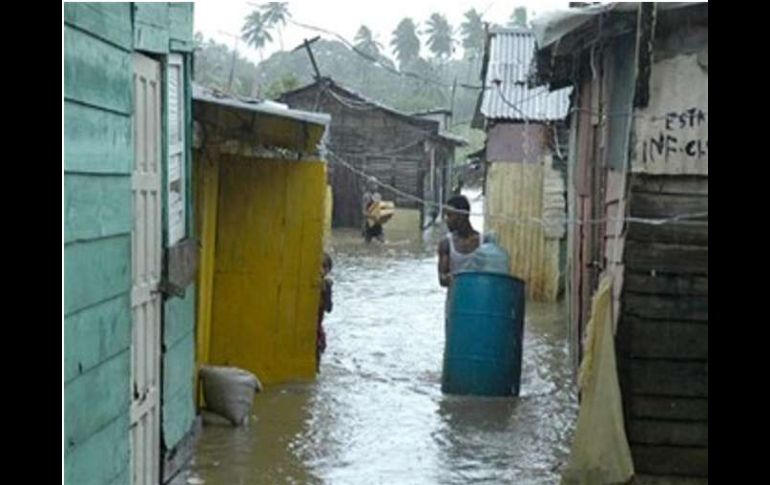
(440, 39)
(428, 90)
(364, 41)
(473, 33)
(256, 32)
(473, 40)
(275, 15)
(406, 43)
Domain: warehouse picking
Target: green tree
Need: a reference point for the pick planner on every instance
(405, 42)
(365, 42)
(518, 18)
(287, 83)
(213, 64)
(440, 41)
(473, 34)
(256, 31)
(275, 14)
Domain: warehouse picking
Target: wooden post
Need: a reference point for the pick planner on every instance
(306, 45)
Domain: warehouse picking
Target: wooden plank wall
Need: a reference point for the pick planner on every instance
(99, 39)
(660, 275)
(373, 141)
(268, 248)
(663, 329)
(98, 159)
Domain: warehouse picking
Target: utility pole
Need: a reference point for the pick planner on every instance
(306, 45)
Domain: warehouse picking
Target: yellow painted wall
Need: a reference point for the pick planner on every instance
(264, 274)
(328, 206)
(206, 177)
(515, 191)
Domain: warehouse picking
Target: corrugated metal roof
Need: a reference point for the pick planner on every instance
(507, 94)
(206, 95)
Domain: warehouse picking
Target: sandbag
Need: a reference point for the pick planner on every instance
(229, 392)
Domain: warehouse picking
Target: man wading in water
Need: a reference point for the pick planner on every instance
(458, 246)
(372, 230)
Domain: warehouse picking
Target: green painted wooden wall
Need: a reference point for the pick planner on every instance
(178, 411)
(99, 40)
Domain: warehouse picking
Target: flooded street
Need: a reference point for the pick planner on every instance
(376, 414)
(235, 172)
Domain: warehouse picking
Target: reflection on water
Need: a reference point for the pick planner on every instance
(376, 413)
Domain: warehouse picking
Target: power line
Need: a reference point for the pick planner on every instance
(379, 63)
(682, 219)
(350, 103)
(509, 103)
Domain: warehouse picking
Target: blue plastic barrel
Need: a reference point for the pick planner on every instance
(484, 329)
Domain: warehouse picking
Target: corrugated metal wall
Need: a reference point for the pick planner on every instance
(510, 61)
(515, 192)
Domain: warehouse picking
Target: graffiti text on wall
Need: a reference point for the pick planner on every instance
(681, 134)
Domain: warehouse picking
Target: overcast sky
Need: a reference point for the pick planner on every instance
(217, 18)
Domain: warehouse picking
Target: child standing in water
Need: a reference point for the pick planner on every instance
(324, 306)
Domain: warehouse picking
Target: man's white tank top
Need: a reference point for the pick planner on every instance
(456, 259)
